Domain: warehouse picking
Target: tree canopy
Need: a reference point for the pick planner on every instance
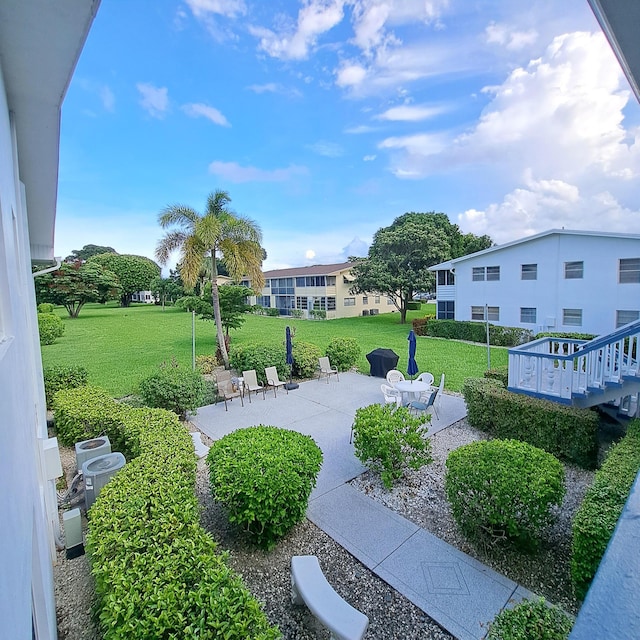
(88, 251)
(135, 273)
(75, 284)
(400, 256)
(216, 234)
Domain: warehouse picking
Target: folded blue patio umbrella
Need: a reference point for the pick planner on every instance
(290, 385)
(412, 366)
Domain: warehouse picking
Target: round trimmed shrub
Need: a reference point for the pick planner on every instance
(503, 488)
(389, 439)
(45, 307)
(244, 357)
(263, 476)
(531, 620)
(50, 327)
(60, 377)
(174, 388)
(343, 353)
(305, 359)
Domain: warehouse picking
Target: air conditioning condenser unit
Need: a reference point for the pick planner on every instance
(97, 472)
(88, 449)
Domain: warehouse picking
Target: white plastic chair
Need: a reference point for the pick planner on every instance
(426, 377)
(273, 380)
(251, 383)
(394, 376)
(326, 369)
(391, 395)
(438, 398)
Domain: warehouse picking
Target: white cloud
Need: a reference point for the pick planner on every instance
(294, 42)
(370, 158)
(350, 75)
(227, 8)
(274, 87)
(103, 91)
(510, 37)
(233, 172)
(195, 110)
(362, 128)
(358, 248)
(309, 254)
(154, 100)
(327, 149)
(410, 113)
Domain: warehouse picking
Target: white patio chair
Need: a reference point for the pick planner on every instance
(438, 398)
(251, 383)
(273, 380)
(391, 395)
(394, 376)
(426, 377)
(326, 369)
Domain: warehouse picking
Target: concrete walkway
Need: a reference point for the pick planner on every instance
(457, 591)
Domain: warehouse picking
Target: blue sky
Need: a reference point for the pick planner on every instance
(327, 119)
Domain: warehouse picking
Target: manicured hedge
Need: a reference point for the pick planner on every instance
(305, 359)
(499, 373)
(531, 620)
(473, 332)
(598, 515)
(343, 353)
(50, 327)
(264, 476)
(244, 357)
(58, 377)
(158, 573)
(566, 432)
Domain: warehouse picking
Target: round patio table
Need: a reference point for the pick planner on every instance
(411, 388)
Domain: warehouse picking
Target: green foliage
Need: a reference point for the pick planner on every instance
(166, 289)
(419, 325)
(305, 359)
(531, 620)
(60, 377)
(498, 373)
(401, 254)
(343, 353)
(50, 327)
(272, 312)
(297, 313)
(414, 305)
(87, 251)
(233, 305)
(598, 515)
(75, 284)
(566, 334)
(206, 364)
(157, 572)
(263, 476)
(566, 432)
(317, 314)
(175, 388)
(195, 303)
(477, 332)
(503, 488)
(390, 439)
(135, 273)
(45, 307)
(244, 357)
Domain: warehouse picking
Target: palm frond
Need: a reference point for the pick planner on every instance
(217, 203)
(209, 230)
(178, 214)
(193, 253)
(171, 241)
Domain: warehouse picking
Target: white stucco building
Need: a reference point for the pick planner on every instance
(569, 281)
(40, 42)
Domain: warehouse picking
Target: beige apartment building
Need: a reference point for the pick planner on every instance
(319, 288)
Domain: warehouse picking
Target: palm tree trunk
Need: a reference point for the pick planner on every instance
(215, 299)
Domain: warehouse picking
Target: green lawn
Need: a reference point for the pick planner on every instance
(119, 347)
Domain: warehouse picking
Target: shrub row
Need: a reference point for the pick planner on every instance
(503, 489)
(499, 373)
(598, 514)
(244, 357)
(566, 334)
(566, 432)
(50, 327)
(263, 476)
(157, 572)
(59, 377)
(305, 359)
(531, 620)
(419, 324)
(473, 332)
(343, 353)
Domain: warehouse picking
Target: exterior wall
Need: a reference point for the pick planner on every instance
(598, 294)
(143, 296)
(26, 580)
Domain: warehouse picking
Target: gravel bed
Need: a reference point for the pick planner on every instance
(419, 497)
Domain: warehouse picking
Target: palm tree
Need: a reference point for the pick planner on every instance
(218, 233)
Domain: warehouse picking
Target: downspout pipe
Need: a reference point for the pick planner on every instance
(48, 269)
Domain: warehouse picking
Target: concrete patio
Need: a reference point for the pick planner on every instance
(457, 591)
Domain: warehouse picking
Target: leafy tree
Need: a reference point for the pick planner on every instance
(218, 233)
(88, 251)
(400, 256)
(75, 284)
(167, 289)
(135, 273)
(233, 305)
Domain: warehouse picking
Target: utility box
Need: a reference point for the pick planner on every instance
(88, 449)
(97, 472)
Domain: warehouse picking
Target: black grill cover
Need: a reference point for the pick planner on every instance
(382, 361)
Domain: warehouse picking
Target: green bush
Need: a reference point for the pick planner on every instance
(499, 373)
(60, 377)
(390, 439)
(271, 312)
(244, 357)
(419, 325)
(50, 327)
(157, 572)
(503, 488)
(305, 359)
(531, 620)
(264, 476)
(567, 432)
(598, 514)
(297, 313)
(206, 364)
(414, 305)
(45, 307)
(343, 353)
(202, 307)
(565, 334)
(174, 388)
(317, 314)
(477, 332)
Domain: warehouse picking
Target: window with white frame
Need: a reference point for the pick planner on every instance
(528, 315)
(376, 299)
(480, 274)
(349, 302)
(446, 310)
(365, 300)
(493, 273)
(529, 272)
(445, 277)
(301, 302)
(629, 271)
(477, 274)
(574, 270)
(572, 317)
(331, 303)
(478, 313)
(624, 316)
